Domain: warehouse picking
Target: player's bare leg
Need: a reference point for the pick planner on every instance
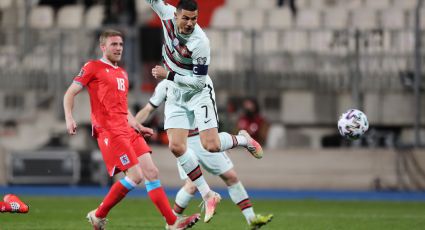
(116, 193)
(213, 141)
(157, 194)
(178, 146)
(240, 197)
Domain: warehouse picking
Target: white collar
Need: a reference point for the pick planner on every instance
(108, 63)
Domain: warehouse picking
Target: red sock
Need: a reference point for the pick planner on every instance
(5, 207)
(114, 196)
(160, 200)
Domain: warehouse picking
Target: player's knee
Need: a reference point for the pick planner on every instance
(232, 180)
(212, 146)
(151, 174)
(177, 148)
(136, 178)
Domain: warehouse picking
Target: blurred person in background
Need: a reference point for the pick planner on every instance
(252, 121)
(218, 164)
(118, 134)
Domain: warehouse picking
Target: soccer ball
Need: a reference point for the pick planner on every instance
(353, 124)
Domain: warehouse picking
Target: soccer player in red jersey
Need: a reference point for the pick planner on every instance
(118, 134)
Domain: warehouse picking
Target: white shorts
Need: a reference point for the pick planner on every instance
(187, 110)
(214, 163)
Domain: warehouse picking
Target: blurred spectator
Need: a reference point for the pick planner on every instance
(252, 121)
(121, 12)
(292, 6)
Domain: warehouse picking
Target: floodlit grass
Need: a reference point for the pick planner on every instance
(53, 213)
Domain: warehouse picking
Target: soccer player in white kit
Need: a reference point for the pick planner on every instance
(190, 97)
(218, 164)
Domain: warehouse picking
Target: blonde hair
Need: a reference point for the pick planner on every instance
(108, 33)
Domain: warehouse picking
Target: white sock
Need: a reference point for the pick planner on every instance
(228, 141)
(182, 201)
(240, 197)
(194, 172)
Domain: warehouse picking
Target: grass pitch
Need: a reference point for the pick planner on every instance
(53, 213)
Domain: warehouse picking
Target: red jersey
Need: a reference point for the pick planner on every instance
(108, 87)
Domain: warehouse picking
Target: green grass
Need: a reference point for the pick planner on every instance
(53, 213)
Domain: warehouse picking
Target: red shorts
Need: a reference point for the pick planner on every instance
(121, 148)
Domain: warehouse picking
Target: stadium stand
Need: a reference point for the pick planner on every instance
(70, 17)
(315, 51)
(41, 17)
(94, 17)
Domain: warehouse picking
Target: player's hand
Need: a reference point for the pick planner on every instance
(71, 126)
(159, 72)
(145, 131)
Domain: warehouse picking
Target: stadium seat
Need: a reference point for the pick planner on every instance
(267, 42)
(303, 4)
(236, 40)
(70, 17)
(364, 19)
(94, 16)
(335, 18)
(321, 41)
(319, 4)
(4, 4)
(252, 19)
(216, 38)
(276, 136)
(279, 19)
(265, 4)
(41, 17)
(392, 19)
(240, 4)
(144, 11)
(411, 18)
(295, 41)
(308, 19)
(350, 4)
(378, 4)
(224, 18)
(405, 4)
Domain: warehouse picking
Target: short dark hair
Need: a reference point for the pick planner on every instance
(108, 33)
(189, 5)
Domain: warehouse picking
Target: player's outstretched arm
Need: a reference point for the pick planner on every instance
(196, 83)
(145, 131)
(163, 10)
(144, 113)
(68, 105)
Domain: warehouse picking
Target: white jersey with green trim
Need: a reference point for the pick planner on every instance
(186, 56)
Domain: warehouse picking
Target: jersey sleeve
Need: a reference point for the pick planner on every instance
(85, 75)
(200, 60)
(162, 9)
(159, 95)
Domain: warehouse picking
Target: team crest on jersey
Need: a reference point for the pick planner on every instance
(176, 42)
(124, 159)
(201, 60)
